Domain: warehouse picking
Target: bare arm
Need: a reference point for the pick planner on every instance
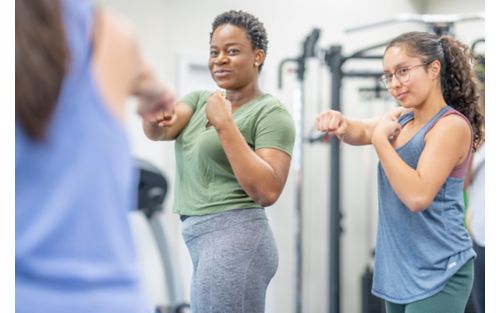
(261, 173)
(167, 125)
(446, 146)
(354, 132)
(121, 71)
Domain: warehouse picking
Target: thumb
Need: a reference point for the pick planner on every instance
(397, 112)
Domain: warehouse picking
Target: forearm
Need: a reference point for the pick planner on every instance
(255, 175)
(167, 125)
(154, 132)
(359, 132)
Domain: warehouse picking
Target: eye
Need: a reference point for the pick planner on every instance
(214, 53)
(403, 71)
(233, 51)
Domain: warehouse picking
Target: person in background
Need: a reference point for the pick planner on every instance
(475, 218)
(424, 256)
(233, 152)
(76, 65)
(475, 186)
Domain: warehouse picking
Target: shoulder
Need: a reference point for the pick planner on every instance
(452, 130)
(196, 98)
(270, 105)
(271, 101)
(272, 116)
(453, 124)
(111, 26)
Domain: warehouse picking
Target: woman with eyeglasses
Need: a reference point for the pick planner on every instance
(423, 260)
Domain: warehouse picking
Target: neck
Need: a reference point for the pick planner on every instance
(429, 107)
(239, 97)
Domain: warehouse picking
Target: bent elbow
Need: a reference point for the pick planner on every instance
(418, 204)
(267, 198)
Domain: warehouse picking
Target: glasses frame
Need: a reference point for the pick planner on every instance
(386, 82)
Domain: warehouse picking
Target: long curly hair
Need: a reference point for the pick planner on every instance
(458, 78)
(250, 24)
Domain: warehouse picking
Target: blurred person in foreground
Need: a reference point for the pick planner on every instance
(76, 65)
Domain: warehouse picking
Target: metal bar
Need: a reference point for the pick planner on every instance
(334, 61)
(298, 165)
(366, 57)
(280, 70)
(353, 74)
(166, 260)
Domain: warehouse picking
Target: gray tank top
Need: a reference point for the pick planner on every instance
(416, 253)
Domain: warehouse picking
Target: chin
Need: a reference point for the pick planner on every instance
(223, 84)
(405, 104)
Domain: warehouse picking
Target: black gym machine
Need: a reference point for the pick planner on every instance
(153, 189)
(334, 59)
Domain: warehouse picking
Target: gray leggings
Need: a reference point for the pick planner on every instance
(234, 257)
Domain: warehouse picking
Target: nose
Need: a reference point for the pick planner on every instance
(393, 83)
(221, 58)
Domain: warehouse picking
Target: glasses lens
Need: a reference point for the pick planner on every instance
(383, 79)
(404, 74)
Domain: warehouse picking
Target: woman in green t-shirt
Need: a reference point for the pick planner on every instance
(233, 152)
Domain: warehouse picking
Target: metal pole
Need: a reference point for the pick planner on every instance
(166, 259)
(334, 61)
(308, 51)
(298, 113)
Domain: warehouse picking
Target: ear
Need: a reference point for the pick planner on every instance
(259, 57)
(435, 69)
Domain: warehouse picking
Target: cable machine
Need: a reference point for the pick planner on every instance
(308, 51)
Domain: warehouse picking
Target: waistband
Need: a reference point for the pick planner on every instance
(195, 225)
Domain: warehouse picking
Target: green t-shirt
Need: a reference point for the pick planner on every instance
(205, 182)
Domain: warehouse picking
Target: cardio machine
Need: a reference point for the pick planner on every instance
(153, 188)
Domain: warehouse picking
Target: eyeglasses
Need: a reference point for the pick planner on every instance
(402, 74)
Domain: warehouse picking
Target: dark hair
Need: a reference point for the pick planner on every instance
(41, 58)
(250, 24)
(458, 78)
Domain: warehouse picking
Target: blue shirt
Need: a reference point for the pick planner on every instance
(74, 248)
(416, 253)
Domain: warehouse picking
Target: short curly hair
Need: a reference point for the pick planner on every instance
(253, 27)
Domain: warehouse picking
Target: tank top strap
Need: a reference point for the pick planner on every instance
(78, 19)
(460, 170)
(405, 118)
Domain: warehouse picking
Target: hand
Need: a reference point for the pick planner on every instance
(159, 109)
(388, 126)
(218, 109)
(332, 122)
(155, 99)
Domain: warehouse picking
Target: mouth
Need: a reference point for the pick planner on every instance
(400, 96)
(221, 73)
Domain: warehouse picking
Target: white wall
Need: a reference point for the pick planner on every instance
(169, 29)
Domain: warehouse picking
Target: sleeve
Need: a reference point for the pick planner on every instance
(196, 99)
(276, 130)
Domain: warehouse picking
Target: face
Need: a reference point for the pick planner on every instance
(416, 80)
(233, 63)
